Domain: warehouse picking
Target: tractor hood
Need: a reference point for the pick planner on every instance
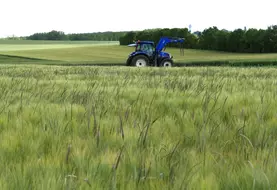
(165, 54)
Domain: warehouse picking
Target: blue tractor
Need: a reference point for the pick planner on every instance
(146, 54)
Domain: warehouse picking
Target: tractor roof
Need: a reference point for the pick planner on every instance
(145, 42)
(141, 42)
(132, 45)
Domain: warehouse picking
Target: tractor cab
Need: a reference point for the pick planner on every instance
(146, 47)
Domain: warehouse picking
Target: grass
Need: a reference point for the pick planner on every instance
(130, 128)
(87, 52)
(54, 42)
(23, 45)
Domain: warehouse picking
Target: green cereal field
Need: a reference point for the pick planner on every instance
(68, 126)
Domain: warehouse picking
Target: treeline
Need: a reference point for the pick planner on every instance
(239, 40)
(59, 35)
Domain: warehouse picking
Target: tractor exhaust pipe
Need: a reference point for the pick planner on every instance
(182, 49)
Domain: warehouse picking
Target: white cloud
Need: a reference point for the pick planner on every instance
(25, 17)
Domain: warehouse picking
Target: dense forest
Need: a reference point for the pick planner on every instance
(239, 40)
(59, 35)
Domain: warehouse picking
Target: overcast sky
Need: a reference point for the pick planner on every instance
(25, 17)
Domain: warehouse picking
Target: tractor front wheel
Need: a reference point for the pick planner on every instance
(140, 61)
(167, 63)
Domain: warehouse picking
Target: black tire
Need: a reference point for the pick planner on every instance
(166, 63)
(140, 61)
(128, 62)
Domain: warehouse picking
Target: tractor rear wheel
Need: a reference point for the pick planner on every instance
(167, 63)
(140, 61)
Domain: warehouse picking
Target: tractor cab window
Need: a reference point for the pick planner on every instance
(138, 47)
(145, 47)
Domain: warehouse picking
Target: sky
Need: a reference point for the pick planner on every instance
(25, 17)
